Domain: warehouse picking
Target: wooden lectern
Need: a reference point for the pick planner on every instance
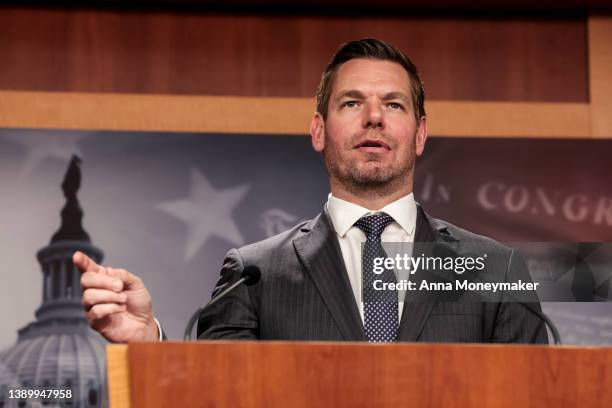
(319, 374)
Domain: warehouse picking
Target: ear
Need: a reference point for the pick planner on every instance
(317, 132)
(421, 136)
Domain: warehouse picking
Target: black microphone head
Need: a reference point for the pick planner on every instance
(251, 274)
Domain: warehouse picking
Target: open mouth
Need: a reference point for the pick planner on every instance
(371, 145)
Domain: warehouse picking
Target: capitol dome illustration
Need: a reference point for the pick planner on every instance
(58, 350)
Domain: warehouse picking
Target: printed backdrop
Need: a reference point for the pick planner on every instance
(168, 206)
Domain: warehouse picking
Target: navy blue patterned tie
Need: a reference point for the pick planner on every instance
(379, 307)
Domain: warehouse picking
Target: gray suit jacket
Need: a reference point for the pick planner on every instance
(304, 293)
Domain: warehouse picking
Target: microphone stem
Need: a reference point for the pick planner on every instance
(547, 321)
(196, 315)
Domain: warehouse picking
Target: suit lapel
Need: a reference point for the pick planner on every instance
(415, 314)
(319, 252)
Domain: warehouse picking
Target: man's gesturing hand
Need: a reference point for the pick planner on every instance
(117, 304)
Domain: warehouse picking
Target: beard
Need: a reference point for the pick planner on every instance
(356, 175)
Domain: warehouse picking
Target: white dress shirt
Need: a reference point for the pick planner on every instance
(344, 214)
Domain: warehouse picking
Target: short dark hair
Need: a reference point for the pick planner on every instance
(374, 49)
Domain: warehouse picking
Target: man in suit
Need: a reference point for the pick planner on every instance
(370, 126)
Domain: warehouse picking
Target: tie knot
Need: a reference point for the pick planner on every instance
(374, 225)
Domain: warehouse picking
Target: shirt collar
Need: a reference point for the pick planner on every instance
(345, 214)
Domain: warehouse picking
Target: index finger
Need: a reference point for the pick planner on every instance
(84, 263)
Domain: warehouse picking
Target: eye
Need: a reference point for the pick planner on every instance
(395, 106)
(350, 104)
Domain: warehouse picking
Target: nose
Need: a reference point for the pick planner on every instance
(373, 116)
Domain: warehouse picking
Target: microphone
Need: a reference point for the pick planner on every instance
(249, 276)
(529, 306)
(543, 316)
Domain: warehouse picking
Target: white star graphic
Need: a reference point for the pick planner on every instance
(49, 146)
(207, 212)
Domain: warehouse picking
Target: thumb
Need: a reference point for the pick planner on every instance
(130, 281)
(84, 263)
